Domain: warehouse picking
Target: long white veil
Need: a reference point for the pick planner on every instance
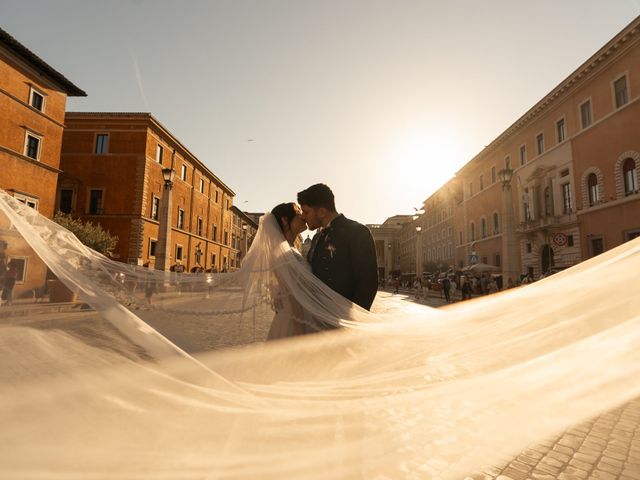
(132, 379)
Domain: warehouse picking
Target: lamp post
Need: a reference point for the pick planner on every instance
(509, 241)
(163, 246)
(419, 251)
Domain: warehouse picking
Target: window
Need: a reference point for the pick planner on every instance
(523, 154)
(95, 202)
(216, 200)
(560, 130)
(597, 246)
(19, 265)
(178, 252)
(213, 261)
(471, 189)
(183, 172)
(483, 227)
(473, 232)
(32, 146)
(493, 175)
(227, 204)
(202, 185)
(620, 91)
(180, 219)
(102, 143)
(66, 200)
(585, 114)
(460, 235)
(592, 184)
(497, 260)
(226, 237)
(155, 208)
(159, 152)
(36, 99)
(152, 247)
(566, 198)
(507, 162)
(28, 200)
(629, 176)
(570, 240)
(540, 143)
(496, 223)
(199, 227)
(528, 248)
(481, 182)
(214, 233)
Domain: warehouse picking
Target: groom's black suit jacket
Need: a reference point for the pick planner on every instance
(343, 256)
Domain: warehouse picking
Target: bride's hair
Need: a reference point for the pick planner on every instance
(284, 210)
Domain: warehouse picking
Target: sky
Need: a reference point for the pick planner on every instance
(382, 100)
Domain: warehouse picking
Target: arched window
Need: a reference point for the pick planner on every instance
(496, 223)
(473, 231)
(483, 227)
(629, 176)
(592, 185)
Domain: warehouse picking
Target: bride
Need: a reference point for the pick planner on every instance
(286, 322)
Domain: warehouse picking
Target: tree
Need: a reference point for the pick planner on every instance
(90, 234)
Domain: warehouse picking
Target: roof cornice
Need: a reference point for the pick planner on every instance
(627, 36)
(149, 119)
(26, 55)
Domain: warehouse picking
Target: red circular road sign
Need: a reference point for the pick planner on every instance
(560, 239)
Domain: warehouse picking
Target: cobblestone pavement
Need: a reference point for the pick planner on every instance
(603, 448)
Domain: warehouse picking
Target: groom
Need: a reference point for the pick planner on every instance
(343, 253)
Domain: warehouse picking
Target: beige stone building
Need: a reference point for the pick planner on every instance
(557, 187)
(386, 237)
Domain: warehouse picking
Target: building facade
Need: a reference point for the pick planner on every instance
(244, 229)
(386, 237)
(574, 160)
(557, 187)
(33, 99)
(113, 166)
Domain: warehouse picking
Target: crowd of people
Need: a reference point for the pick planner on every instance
(456, 286)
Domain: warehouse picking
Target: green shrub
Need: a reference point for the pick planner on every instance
(90, 234)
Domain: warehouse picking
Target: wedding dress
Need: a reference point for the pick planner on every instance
(114, 387)
(289, 319)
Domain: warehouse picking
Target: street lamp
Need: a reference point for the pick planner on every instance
(419, 251)
(509, 241)
(163, 245)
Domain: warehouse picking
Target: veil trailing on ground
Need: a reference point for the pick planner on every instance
(109, 370)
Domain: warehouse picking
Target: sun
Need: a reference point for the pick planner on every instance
(424, 159)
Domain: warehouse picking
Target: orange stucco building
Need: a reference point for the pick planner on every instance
(112, 174)
(33, 98)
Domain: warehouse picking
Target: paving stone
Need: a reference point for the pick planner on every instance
(596, 442)
(527, 460)
(511, 474)
(606, 467)
(581, 465)
(570, 441)
(574, 473)
(600, 475)
(561, 457)
(534, 453)
(521, 467)
(635, 474)
(615, 453)
(611, 461)
(562, 449)
(596, 452)
(546, 468)
(539, 475)
(590, 459)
